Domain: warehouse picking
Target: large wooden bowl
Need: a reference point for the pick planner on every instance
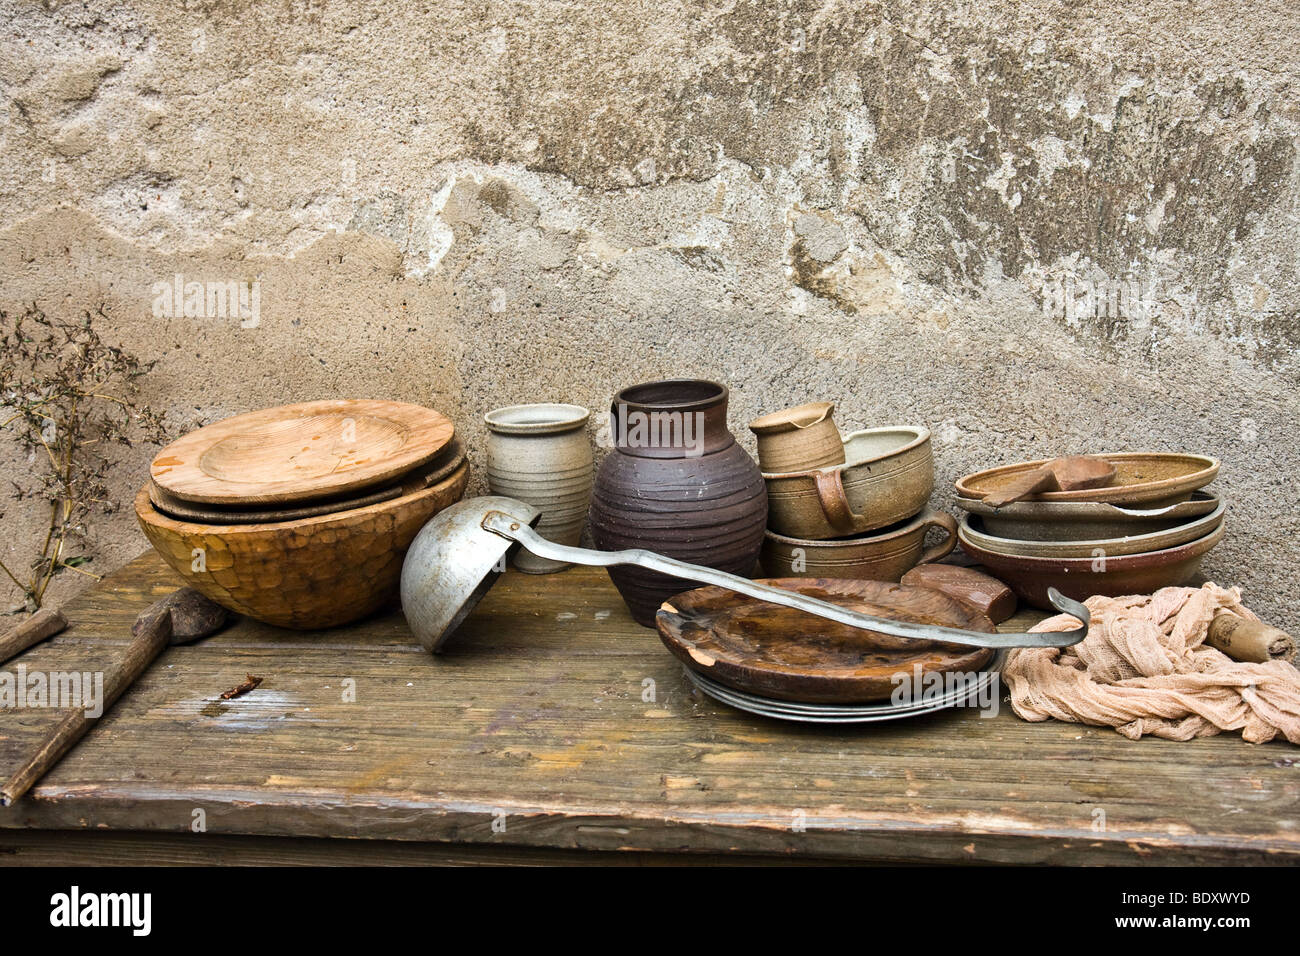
(306, 574)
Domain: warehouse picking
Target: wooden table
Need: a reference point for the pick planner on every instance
(555, 727)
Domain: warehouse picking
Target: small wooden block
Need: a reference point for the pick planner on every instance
(973, 588)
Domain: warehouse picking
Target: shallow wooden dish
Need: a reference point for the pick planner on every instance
(306, 574)
(972, 530)
(1085, 520)
(777, 652)
(446, 462)
(1140, 478)
(302, 452)
(1081, 578)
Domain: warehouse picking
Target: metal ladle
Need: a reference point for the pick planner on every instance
(459, 554)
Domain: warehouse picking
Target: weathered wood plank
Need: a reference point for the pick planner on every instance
(535, 720)
(104, 848)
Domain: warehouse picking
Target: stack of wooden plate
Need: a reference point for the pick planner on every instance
(1148, 528)
(299, 515)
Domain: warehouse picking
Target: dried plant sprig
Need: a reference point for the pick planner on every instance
(67, 398)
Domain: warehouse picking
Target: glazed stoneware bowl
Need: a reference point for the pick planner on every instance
(887, 476)
(306, 574)
(799, 438)
(972, 530)
(1148, 479)
(874, 556)
(1081, 578)
(1085, 520)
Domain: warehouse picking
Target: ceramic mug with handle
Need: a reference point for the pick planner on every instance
(799, 438)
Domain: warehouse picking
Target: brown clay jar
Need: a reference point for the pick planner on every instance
(677, 484)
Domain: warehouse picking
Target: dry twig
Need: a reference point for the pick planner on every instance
(67, 398)
(239, 690)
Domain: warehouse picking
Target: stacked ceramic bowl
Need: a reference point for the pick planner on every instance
(852, 507)
(1147, 528)
(299, 516)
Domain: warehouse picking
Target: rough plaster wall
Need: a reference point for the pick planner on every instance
(473, 204)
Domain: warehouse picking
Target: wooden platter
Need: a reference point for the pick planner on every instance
(446, 462)
(1144, 478)
(303, 452)
(783, 654)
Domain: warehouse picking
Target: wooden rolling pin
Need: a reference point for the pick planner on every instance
(1251, 641)
(44, 623)
(1241, 639)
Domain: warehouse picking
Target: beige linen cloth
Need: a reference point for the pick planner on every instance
(1144, 669)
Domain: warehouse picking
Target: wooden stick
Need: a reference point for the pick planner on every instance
(147, 644)
(44, 623)
(1251, 641)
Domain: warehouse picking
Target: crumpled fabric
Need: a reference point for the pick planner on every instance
(1145, 668)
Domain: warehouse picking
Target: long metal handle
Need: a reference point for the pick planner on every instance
(516, 530)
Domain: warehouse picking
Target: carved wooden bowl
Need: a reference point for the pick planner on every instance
(305, 574)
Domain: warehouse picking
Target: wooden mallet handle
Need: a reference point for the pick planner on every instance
(1022, 486)
(181, 617)
(1251, 641)
(147, 644)
(44, 623)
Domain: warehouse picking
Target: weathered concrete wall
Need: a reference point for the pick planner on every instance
(899, 206)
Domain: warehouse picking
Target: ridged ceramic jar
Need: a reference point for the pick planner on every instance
(540, 454)
(677, 484)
